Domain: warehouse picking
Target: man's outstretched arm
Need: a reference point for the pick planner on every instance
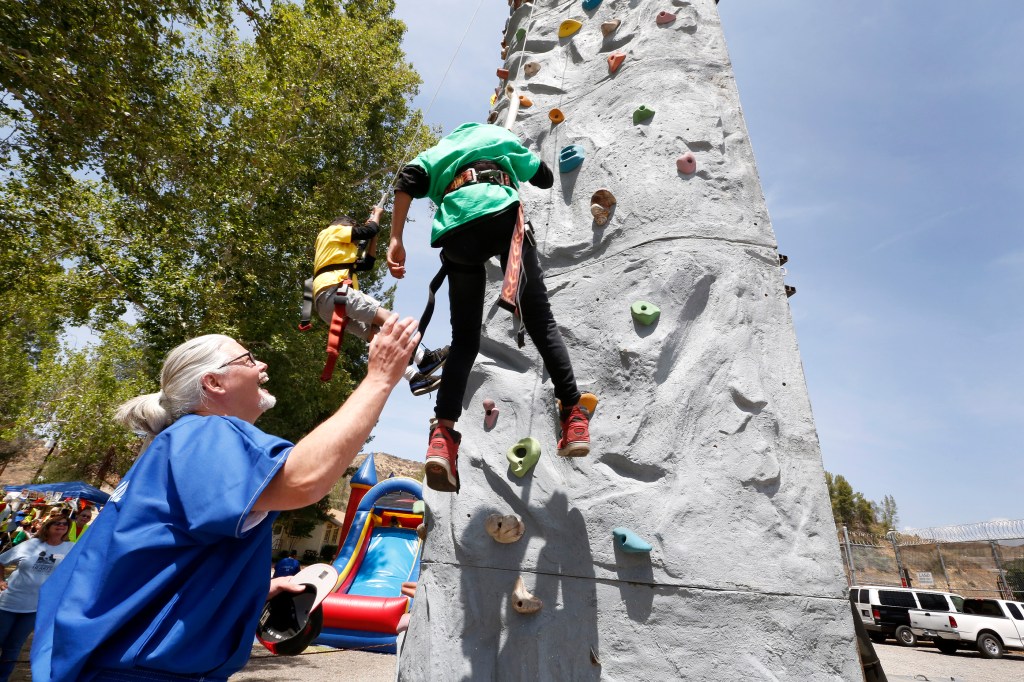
(320, 459)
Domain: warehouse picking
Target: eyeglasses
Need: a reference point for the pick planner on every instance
(250, 360)
(62, 523)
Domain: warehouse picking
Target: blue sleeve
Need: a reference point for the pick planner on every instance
(218, 470)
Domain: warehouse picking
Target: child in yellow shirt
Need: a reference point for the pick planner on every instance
(337, 253)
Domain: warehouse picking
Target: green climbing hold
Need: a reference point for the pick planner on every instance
(644, 312)
(520, 35)
(523, 455)
(642, 113)
(419, 507)
(630, 542)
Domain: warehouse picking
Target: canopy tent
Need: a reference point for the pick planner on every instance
(69, 489)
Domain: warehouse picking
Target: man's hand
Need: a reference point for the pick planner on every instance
(285, 584)
(396, 258)
(391, 349)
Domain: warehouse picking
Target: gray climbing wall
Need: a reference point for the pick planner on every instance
(703, 441)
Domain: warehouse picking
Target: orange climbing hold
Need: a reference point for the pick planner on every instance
(556, 116)
(615, 60)
(525, 102)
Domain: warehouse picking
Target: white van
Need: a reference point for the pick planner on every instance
(885, 612)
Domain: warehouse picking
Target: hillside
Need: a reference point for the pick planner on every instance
(386, 466)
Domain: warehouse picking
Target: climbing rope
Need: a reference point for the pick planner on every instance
(384, 194)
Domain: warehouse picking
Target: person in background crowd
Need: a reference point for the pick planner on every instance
(80, 524)
(288, 565)
(36, 559)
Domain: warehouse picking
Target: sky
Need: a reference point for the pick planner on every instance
(889, 139)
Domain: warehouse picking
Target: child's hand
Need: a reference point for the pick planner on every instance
(376, 214)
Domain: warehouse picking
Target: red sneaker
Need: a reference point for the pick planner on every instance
(441, 468)
(575, 440)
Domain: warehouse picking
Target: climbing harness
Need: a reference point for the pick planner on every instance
(339, 319)
(478, 172)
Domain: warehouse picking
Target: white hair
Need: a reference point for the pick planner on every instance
(181, 386)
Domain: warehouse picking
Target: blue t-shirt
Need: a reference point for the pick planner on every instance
(287, 566)
(173, 574)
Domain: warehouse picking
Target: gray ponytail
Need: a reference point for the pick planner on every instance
(181, 386)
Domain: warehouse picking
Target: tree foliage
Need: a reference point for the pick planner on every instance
(851, 509)
(169, 163)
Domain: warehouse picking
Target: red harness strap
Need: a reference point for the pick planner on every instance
(509, 298)
(338, 321)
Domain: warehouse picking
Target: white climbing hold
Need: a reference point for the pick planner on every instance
(523, 601)
(505, 528)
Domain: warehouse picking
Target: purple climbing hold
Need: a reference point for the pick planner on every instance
(687, 164)
(665, 18)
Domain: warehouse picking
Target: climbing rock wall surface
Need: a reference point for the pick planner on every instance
(703, 443)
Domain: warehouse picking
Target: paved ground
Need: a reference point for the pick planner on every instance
(323, 664)
(904, 663)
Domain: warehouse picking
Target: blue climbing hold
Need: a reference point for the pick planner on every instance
(630, 542)
(590, 4)
(570, 158)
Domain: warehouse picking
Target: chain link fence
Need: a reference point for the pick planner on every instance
(977, 560)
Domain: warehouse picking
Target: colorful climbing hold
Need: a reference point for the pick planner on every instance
(488, 404)
(520, 35)
(525, 102)
(644, 312)
(568, 28)
(556, 116)
(590, 4)
(687, 164)
(601, 204)
(504, 528)
(630, 542)
(491, 418)
(570, 157)
(503, 74)
(419, 507)
(588, 401)
(642, 113)
(665, 18)
(615, 60)
(531, 68)
(522, 600)
(609, 27)
(523, 455)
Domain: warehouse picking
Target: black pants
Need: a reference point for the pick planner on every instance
(472, 247)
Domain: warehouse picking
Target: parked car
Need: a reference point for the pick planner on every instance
(885, 611)
(990, 625)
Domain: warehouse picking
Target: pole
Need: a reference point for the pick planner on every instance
(942, 562)
(849, 556)
(899, 562)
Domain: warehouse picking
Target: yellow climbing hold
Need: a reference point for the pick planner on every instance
(569, 27)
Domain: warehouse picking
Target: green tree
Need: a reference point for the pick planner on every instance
(888, 515)
(852, 509)
(164, 168)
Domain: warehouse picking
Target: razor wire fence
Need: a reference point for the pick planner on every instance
(975, 560)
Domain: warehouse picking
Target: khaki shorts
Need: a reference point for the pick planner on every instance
(360, 309)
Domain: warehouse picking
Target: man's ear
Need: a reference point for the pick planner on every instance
(211, 384)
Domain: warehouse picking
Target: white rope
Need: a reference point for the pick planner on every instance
(407, 156)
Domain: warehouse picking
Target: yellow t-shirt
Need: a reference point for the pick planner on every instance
(333, 246)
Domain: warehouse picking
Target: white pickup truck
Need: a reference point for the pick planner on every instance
(990, 625)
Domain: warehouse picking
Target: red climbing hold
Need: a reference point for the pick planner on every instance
(665, 17)
(615, 60)
(687, 164)
(503, 74)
